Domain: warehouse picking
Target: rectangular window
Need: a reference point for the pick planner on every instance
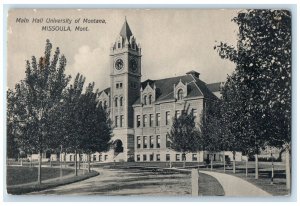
(177, 114)
(94, 158)
(194, 112)
(145, 142)
(138, 142)
(194, 157)
(70, 157)
(158, 157)
(151, 157)
(167, 157)
(157, 141)
(151, 120)
(105, 157)
(144, 157)
(121, 85)
(168, 143)
(177, 157)
(151, 142)
(138, 158)
(100, 158)
(145, 120)
(116, 121)
(117, 85)
(138, 121)
(168, 118)
(121, 120)
(183, 157)
(158, 119)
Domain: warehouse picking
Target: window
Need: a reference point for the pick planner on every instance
(119, 45)
(157, 141)
(144, 157)
(138, 142)
(121, 85)
(145, 120)
(168, 118)
(116, 101)
(145, 100)
(167, 157)
(158, 119)
(151, 142)
(151, 157)
(121, 101)
(138, 121)
(121, 120)
(105, 104)
(177, 114)
(70, 157)
(117, 85)
(168, 143)
(100, 104)
(138, 158)
(105, 157)
(194, 157)
(158, 157)
(177, 157)
(116, 121)
(100, 158)
(145, 142)
(150, 99)
(94, 158)
(180, 94)
(151, 120)
(183, 157)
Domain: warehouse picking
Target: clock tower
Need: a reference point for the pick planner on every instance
(125, 76)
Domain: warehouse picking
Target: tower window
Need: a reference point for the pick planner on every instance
(116, 101)
(121, 120)
(145, 120)
(180, 94)
(121, 101)
(151, 120)
(150, 99)
(121, 85)
(145, 100)
(116, 121)
(158, 119)
(117, 85)
(138, 121)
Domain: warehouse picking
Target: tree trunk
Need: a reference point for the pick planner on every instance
(211, 163)
(184, 160)
(233, 166)
(40, 168)
(224, 162)
(65, 159)
(247, 166)
(79, 160)
(287, 169)
(31, 160)
(89, 163)
(256, 166)
(60, 163)
(75, 163)
(50, 161)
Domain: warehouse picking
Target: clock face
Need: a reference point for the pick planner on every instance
(119, 64)
(133, 65)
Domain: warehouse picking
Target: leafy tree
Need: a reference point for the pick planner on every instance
(184, 134)
(37, 96)
(263, 75)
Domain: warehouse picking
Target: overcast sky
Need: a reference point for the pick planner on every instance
(173, 42)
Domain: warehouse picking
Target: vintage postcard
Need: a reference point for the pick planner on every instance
(149, 102)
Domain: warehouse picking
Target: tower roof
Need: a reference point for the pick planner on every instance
(125, 31)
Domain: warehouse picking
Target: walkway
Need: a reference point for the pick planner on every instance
(235, 186)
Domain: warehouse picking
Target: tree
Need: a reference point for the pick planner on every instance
(37, 96)
(184, 134)
(263, 75)
(95, 124)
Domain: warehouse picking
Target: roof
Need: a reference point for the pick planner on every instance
(125, 31)
(214, 87)
(107, 91)
(165, 87)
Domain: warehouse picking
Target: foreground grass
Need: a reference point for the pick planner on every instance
(23, 175)
(19, 189)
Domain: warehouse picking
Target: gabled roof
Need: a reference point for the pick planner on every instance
(125, 31)
(107, 91)
(165, 87)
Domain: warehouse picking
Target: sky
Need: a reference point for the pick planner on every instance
(173, 41)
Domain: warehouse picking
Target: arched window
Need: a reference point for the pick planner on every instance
(121, 101)
(145, 100)
(105, 104)
(116, 101)
(150, 99)
(180, 94)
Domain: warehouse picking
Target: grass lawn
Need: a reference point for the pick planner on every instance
(22, 175)
(209, 186)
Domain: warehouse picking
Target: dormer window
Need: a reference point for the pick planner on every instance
(145, 100)
(180, 94)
